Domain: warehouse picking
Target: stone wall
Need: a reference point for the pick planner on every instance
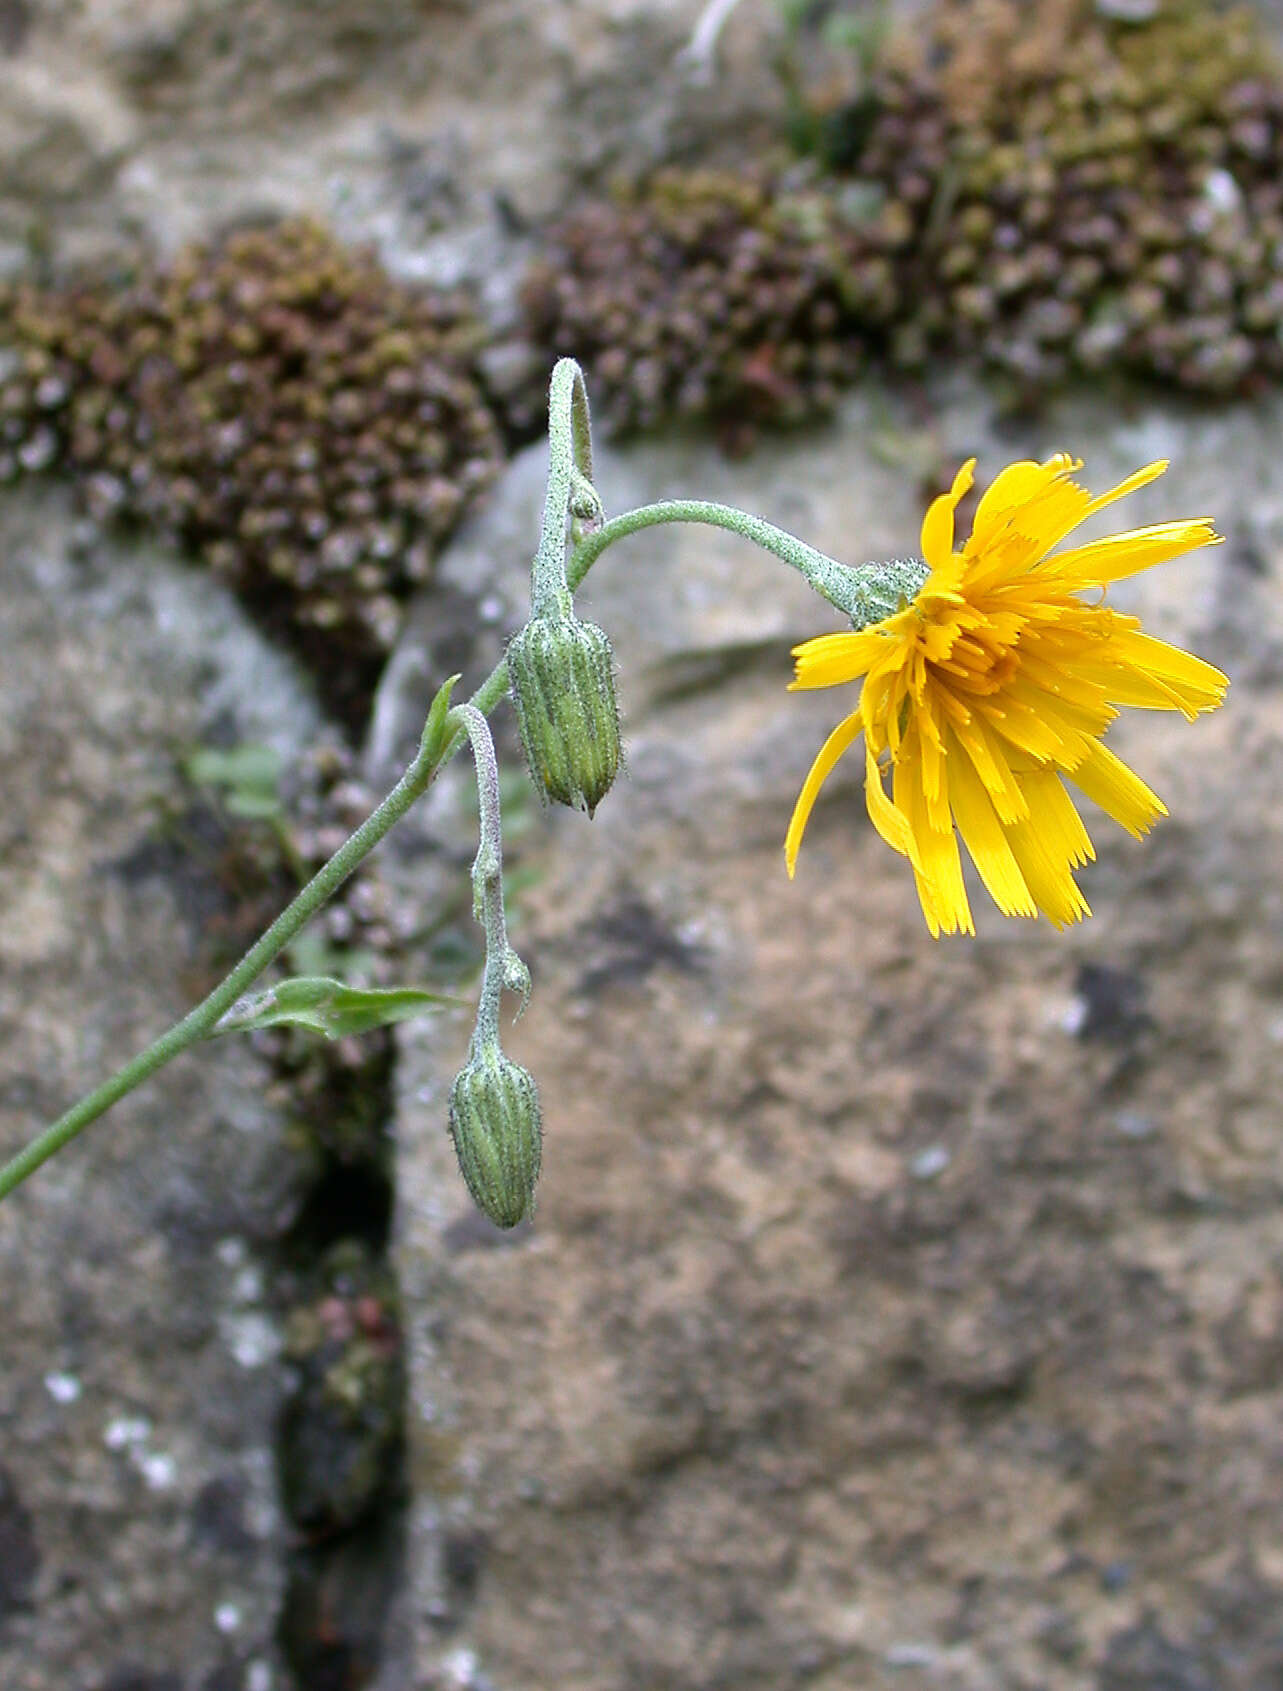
(896, 1313)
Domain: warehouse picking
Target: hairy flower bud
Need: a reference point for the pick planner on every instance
(494, 1122)
(561, 674)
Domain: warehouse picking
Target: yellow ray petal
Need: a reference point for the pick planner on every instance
(988, 755)
(1126, 686)
(1064, 698)
(832, 660)
(1052, 811)
(1028, 730)
(1120, 555)
(937, 865)
(1018, 494)
(1138, 478)
(984, 838)
(829, 753)
(1118, 790)
(1010, 488)
(937, 525)
(1200, 686)
(889, 821)
(1047, 875)
(1056, 533)
(931, 751)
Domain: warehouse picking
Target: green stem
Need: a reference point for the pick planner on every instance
(198, 1023)
(864, 592)
(569, 461)
(818, 569)
(487, 881)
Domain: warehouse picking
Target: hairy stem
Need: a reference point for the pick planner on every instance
(569, 464)
(198, 1023)
(821, 571)
(487, 877)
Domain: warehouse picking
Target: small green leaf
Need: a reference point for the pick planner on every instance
(330, 1008)
(247, 777)
(252, 806)
(432, 742)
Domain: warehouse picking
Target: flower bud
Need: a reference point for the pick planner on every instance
(494, 1122)
(561, 674)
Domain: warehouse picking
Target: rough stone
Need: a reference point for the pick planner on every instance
(140, 1538)
(440, 130)
(895, 1314)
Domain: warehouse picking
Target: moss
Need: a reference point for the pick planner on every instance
(1042, 188)
(1104, 193)
(701, 294)
(342, 1425)
(278, 405)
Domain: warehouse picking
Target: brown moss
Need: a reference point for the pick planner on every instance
(1040, 187)
(703, 294)
(277, 404)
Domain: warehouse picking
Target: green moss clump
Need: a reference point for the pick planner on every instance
(277, 404)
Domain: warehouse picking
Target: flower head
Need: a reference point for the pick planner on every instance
(997, 681)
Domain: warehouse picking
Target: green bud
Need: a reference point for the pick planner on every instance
(494, 1122)
(561, 674)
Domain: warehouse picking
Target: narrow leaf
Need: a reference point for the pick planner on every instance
(432, 741)
(248, 778)
(330, 1008)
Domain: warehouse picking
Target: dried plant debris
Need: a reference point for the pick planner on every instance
(1049, 188)
(276, 403)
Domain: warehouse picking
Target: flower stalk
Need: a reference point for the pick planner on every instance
(570, 491)
(494, 1103)
(503, 968)
(864, 592)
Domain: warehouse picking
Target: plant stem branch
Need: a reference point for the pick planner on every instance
(487, 877)
(821, 571)
(569, 458)
(198, 1023)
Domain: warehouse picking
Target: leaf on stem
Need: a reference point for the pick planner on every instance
(247, 777)
(330, 1008)
(433, 740)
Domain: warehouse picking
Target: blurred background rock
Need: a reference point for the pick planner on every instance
(896, 1313)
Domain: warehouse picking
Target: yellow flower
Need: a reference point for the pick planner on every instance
(999, 679)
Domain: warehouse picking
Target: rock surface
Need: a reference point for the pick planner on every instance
(896, 1312)
(140, 1528)
(440, 129)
